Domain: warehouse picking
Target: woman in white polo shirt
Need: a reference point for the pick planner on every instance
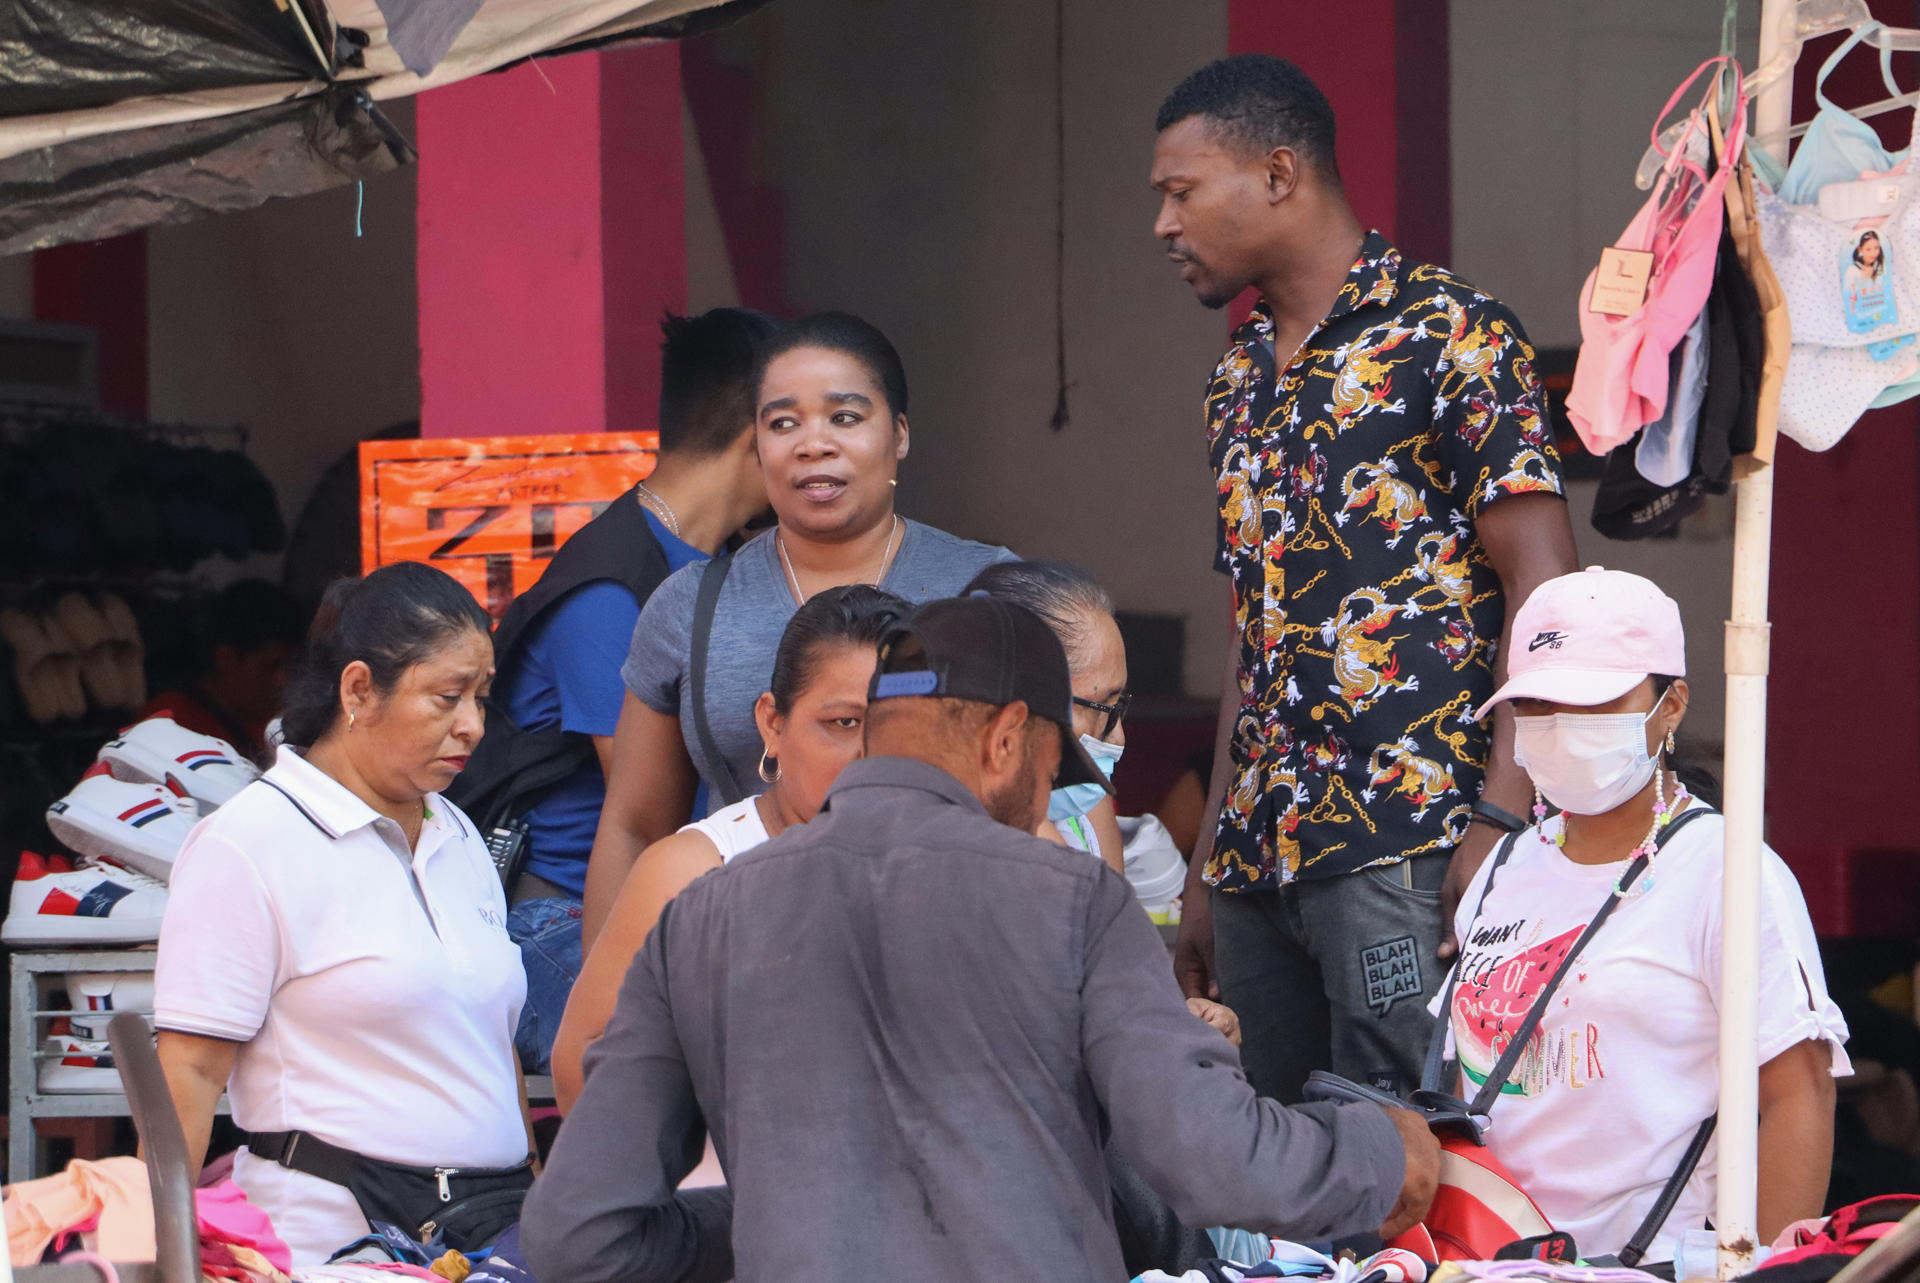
(335, 954)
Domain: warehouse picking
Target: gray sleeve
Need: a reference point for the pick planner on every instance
(605, 1209)
(658, 655)
(1183, 1115)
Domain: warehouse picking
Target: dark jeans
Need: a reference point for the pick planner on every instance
(1334, 973)
(548, 933)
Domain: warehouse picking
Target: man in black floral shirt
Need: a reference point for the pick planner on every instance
(1387, 484)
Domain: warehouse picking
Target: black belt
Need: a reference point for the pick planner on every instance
(305, 1152)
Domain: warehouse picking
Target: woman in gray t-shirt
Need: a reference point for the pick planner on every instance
(831, 430)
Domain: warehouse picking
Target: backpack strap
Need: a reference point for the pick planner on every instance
(1516, 1047)
(1435, 1070)
(712, 577)
(1642, 1239)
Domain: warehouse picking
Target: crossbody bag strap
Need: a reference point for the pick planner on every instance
(1435, 1070)
(1642, 1239)
(712, 577)
(1516, 1047)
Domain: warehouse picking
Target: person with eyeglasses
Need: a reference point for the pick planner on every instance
(1080, 613)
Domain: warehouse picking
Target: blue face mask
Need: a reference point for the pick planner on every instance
(1078, 799)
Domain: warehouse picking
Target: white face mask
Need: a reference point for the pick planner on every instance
(1585, 763)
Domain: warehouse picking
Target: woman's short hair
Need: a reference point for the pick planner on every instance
(1058, 592)
(391, 620)
(848, 335)
(854, 615)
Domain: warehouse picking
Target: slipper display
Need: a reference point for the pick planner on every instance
(129, 651)
(137, 826)
(60, 901)
(161, 751)
(62, 666)
(32, 675)
(96, 997)
(104, 642)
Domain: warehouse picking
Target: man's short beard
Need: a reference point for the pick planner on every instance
(1013, 805)
(1214, 300)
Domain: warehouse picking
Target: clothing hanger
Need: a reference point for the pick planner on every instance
(1804, 21)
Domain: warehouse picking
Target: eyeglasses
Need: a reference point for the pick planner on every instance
(1116, 712)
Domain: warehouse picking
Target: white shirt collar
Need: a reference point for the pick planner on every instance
(334, 808)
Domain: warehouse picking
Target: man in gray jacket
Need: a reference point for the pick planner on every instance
(910, 1026)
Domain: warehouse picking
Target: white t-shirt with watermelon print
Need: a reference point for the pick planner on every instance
(1625, 1064)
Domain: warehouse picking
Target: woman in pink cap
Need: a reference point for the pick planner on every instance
(1610, 1090)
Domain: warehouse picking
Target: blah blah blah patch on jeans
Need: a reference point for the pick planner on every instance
(548, 933)
(1334, 973)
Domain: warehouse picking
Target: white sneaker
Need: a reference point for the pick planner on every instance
(58, 901)
(161, 751)
(138, 826)
(69, 1065)
(96, 997)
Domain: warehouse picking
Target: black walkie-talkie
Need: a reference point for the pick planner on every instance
(507, 844)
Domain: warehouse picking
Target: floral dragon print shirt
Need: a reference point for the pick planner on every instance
(1368, 611)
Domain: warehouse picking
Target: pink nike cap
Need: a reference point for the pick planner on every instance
(1590, 637)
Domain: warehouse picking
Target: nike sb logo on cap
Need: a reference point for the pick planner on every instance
(1550, 639)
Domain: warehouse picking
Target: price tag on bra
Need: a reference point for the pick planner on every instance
(1620, 285)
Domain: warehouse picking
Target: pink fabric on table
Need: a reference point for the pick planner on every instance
(227, 1217)
(114, 1190)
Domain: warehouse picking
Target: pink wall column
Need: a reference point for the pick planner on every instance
(552, 237)
(1383, 66)
(102, 284)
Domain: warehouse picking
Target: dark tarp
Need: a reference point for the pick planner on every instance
(117, 116)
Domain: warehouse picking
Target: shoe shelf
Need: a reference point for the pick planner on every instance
(35, 975)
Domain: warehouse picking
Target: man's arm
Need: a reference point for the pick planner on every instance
(1529, 541)
(605, 1210)
(1193, 950)
(1183, 1115)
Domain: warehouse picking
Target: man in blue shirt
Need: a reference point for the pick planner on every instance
(560, 647)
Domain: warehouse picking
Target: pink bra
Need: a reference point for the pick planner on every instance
(1620, 382)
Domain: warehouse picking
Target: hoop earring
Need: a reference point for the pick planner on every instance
(769, 768)
(351, 717)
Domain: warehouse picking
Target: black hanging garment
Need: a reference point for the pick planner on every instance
(513, 767)
(1627, 505)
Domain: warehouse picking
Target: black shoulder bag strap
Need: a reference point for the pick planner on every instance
(1435, 1070)
(712, 577)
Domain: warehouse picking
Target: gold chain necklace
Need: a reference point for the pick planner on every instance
(886, 555)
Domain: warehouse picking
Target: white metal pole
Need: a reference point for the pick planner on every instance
(1745, 770)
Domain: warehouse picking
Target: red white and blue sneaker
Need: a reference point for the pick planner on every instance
(96, 997)
(161, 751)
(60, 901)
(137, 826)
(69, 1064)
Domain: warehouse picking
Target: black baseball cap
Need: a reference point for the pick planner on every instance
(989, 651)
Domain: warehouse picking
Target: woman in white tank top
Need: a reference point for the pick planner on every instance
(811, 723)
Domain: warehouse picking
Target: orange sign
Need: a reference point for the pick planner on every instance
(491, 511)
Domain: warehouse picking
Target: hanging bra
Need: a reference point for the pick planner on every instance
(1622, 378)
(1838, 147)
(1848, 355)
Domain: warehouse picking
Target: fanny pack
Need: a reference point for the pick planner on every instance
(466, 1207)
(1479, 1211)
